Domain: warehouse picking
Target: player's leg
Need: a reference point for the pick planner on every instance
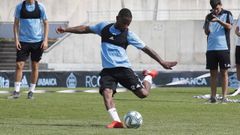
(110, 107)
(224, 63)
(212, 65)
(107, 89)
(224, 74)
(238, 74)
(18, 78)
(22, 56)
(146, 83)
(237, 61)
(34, 78)
(129, 79)
(36, 55)
(238, 71)
(213, 84)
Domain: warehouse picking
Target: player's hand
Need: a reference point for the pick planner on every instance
(215, 18)
(60, 30)
(169, 64)
(44, 45)
(18, 45)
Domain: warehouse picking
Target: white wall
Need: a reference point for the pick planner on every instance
(76, 11)
(183, 41)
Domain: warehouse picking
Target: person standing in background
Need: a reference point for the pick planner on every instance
(237, 57)
(31, 38)
(217, 27)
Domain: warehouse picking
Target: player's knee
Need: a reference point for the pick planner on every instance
(19, 65)
(107, 92)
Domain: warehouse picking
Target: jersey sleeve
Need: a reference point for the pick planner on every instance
(17, 11)
(229, 18)
(97, 29)
(135, 41)
(43, 11)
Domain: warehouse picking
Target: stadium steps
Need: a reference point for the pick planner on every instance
(8, 56)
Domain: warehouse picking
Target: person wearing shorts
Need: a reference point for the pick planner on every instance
(237, 56)
(115, 37)
(217, 27)
(31, 39)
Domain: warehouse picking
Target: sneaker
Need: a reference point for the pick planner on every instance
(30, 95)
(115, 124)
(212, 100)
(152, 73)
(15, 95)
(224, 100)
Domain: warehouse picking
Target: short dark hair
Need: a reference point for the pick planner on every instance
(214, 3)
(124, 12)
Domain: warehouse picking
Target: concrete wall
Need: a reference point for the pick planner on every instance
(78, 11)
(183, 41)
(172, 37)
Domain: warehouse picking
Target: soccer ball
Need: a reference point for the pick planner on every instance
(133, 119)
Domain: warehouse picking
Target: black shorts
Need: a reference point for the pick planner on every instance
(218, 58)
(237, 55)
(30, 48)
(124, 76)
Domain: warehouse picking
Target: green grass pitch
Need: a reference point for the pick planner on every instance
(167, 111)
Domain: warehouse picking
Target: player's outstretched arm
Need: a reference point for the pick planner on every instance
(82, 29)
(155, 56)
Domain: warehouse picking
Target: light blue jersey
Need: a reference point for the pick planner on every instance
(219, 37)
(30, 30)
(112, 55)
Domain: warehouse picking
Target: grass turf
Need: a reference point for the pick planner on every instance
(167, 111)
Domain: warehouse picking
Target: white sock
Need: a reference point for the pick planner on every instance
(113, 113)
(148, 78)
(17, 86)
(32, 87)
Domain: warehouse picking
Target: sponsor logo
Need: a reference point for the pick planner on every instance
(71, 81)
(92, 81)
(47, 82)
(190, 81)
(4, 83)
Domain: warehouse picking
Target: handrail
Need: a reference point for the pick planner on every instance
(57, 42)
(60, 40)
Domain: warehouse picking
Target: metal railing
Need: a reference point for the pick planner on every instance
(59, 41)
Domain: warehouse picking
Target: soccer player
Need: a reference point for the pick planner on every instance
(30, 39)
(217, 27)
(237, 56)
(116, 67)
